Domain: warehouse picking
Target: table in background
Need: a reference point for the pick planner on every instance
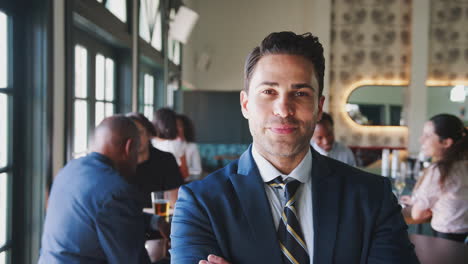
(434, 250)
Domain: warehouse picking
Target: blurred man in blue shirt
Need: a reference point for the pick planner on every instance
(94, 215)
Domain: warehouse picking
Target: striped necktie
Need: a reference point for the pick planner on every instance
(290, 235)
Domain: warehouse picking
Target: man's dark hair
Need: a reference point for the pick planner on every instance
(142, 120)
(165, 124)
(189, 129)
(326, 118)
(305, 45)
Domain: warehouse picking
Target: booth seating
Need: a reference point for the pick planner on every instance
(216, 156)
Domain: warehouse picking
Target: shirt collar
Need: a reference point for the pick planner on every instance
(102, 158)
(268, 172)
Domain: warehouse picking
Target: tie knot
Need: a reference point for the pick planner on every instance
(277, 182)
(290, 187)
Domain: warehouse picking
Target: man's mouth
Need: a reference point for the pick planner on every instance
(283, 130)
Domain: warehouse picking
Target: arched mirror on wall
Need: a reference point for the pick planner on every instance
(379, 105)
(383, 105)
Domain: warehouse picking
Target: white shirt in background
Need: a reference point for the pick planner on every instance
(449, 206)
(193, 161)
(175, 146)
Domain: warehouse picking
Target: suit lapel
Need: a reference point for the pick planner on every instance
(326, 196)
(249, 187)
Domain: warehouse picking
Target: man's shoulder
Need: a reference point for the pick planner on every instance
(160, 154)
(89, 177)
(161, 162)
(352, 175)
(216, 181)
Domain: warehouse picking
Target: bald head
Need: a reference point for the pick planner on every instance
(117, 138)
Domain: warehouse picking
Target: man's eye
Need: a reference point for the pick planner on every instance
(268, 92)
(301, 94)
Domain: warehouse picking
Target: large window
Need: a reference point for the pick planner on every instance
(92, 101)
(104, 88)
(116, 7)
(5, 141)
(148, 96)
(150, 23)
(80, 105)
(173, 46)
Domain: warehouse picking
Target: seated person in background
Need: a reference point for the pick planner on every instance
(166, 139)
(94, 215)
(442, 192)
(186, 132)
(324, 142)
(157, 170)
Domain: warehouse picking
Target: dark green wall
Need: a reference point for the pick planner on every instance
(217, 116)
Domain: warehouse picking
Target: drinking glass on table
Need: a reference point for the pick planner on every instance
(400, 183)
(160, 203)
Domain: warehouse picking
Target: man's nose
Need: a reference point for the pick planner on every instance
(283, 107)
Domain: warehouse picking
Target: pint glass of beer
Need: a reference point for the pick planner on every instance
(160, 203)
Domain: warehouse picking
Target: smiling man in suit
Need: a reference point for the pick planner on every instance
(282, 202)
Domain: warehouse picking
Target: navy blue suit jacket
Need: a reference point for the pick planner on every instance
(356, 217)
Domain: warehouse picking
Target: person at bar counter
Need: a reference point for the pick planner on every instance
(186, 132)
(157, 170)
(324, 141)
(442, 191)
(94, 214)
(282, 202)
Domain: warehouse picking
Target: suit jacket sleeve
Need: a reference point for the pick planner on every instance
(390, 242)
(192, 236)
(121, 230)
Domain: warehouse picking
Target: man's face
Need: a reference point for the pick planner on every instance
(130, 161)
(282, 105)
(144, 137)
(323, 136)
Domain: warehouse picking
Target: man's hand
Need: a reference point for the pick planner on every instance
(213, 259)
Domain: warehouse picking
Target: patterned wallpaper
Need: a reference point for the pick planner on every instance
(448, 58)
(370, 43)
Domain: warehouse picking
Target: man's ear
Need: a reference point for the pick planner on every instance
(128, 147)
(321, 101)
(244, 101)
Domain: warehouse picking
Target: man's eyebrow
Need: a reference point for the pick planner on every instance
(268, 83)
(302, 85)
(294, 86)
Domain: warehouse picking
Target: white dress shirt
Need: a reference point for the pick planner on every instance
(302, 173)
(193, 159)
(339, 152)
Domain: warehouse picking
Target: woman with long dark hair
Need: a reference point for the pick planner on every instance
(167, 138)
(442, 192)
